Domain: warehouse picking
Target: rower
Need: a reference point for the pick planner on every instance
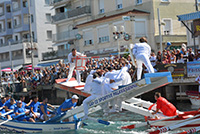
(19, 110)
(34, 108)
(22, 98)
(2, 104)
(43, 110)
(163, 105)
(68, 104)
(10, 106)
(89, 81)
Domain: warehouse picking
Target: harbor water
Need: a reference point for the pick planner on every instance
(117, 120)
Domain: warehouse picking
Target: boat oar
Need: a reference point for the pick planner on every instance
(143, 124)
(7, 113)
(176, 125)
(19, 115)
(193, 130)
(99, 121)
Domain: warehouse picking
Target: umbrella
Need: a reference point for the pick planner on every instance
(30, 68)
(28, 65)
(8, 70)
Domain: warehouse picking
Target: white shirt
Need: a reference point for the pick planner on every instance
(153, 60)
(96, 86)
(141, 48)
(70, 56)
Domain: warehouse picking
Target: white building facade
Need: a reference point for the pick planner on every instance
(15, 43)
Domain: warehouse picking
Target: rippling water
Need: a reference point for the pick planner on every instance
(117, 121)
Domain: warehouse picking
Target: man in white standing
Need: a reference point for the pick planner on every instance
(197, 80)
(71, 59)
(95, 93)
(142, 52)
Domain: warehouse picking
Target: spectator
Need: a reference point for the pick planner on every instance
(165, 60)
(173, 58)
(190, 55)
(153, 59)
(158, 57)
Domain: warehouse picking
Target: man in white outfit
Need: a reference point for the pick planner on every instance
(88, 81)
(71, 59)
(123, 78)
(95, 92)
(142, 52)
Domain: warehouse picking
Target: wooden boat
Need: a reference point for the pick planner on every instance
(194, 97)
(29, 127)
(161, 123)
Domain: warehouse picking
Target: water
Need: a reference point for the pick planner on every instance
(117, 121)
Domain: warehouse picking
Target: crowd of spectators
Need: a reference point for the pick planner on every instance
(48, 75)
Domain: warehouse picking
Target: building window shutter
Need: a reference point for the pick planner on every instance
(167, 27)
(119, 4)
(101, 6)
(140, 28)
(103, 33)
(88, 37)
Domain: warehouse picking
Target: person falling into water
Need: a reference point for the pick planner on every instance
(164, 106)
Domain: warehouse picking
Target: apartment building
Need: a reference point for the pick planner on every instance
(15, 36)
(88, 24)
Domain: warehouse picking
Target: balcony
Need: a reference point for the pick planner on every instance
(16, 9)
(56, 3)
(65, 36)
(171, 38)
(72, 13)
(55, 54)
(21, 28)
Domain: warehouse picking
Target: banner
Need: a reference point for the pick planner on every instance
(177, 69)
(193, 68)
(196, 24)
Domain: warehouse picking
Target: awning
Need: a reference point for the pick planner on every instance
(59, 44)
(190, 16)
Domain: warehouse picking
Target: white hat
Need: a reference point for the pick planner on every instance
(75, 97)
(19, 101)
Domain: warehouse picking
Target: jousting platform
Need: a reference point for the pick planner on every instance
(150, 82)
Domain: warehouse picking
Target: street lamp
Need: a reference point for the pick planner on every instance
(120, 34)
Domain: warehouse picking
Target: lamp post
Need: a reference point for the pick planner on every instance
(30, 33)
(117, 35)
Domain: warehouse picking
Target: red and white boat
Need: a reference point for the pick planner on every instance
(194, 97)
(184, 121)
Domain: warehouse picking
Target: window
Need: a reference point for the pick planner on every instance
(47, 2)
(103, 34)
(101, 6)
(88, 37)
(167, 27)
(15, 5)
(32, 18)
(8, 8)
(48, 17)
(1, 10)
(16, 38)
(138, 2)
(9, 25)
(140, 28)
(15, 22)
(25, 3)
(49, 34)
(119, 4)
(1, 41)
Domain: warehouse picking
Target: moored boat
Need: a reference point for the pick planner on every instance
(194, 97)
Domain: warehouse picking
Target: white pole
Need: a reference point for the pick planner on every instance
(30, 32)
(159, 25)
(118, 47)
